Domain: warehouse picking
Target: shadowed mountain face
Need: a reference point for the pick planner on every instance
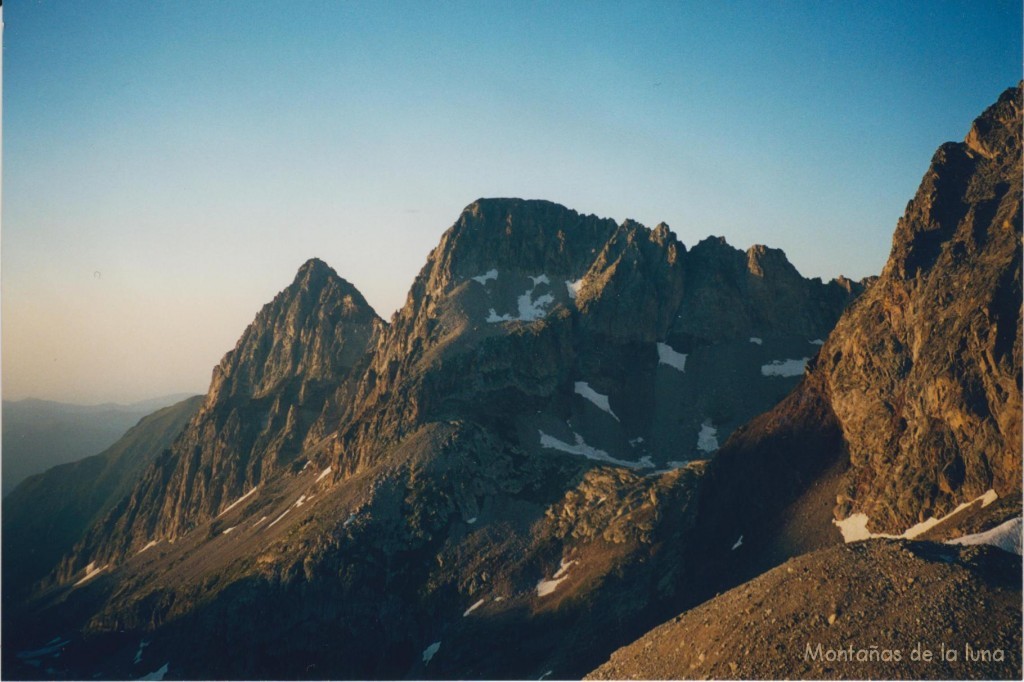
(516, 476)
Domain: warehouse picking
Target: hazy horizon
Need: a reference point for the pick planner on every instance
(168, 167)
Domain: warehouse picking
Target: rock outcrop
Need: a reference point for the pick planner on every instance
(924, 373)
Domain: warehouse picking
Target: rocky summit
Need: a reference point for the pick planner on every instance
(572, 431)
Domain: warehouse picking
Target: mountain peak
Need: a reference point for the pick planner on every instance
(995, 133)
(762, 259)
(315, 271)
(713, 242)
(965, 182)
(315, 265)
(490, 204)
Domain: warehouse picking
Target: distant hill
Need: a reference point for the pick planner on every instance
(39, 434)
(45, 514)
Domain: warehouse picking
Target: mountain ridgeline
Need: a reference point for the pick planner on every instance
(519, 302)
(572, 431)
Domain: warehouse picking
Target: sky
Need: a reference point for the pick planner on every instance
(168, 166)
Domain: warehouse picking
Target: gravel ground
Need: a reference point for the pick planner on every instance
(868, 610)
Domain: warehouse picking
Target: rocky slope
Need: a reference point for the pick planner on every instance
(851, 612)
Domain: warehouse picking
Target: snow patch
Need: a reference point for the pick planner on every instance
(474, 607)
(472, 520)
(563, 567)
(669, 356)
(279, 517)
(157, 674)
(545, 675)
(349, 520)
(91, 572)
(739, 543)
(52, 647)
(707, 439)
(988, 498)
(754, 339)
(495, 317)
(573, 288)
(636, 441)
(323, 474)
(489, 275)
(228, 530)
(816, 342)
(530, 309)
(262, 519)
(546, 587)
(583, 388)
(676, 464)
(236, 502)
(581, 448)
(855, 527)
(299, 502)
(784, 368)
(1006, 536)
(429, 652)
(138, 654)
(150, 545)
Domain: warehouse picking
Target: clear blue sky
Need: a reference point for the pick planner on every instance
(169, 165)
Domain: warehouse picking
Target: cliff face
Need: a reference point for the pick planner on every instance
(924, 372)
